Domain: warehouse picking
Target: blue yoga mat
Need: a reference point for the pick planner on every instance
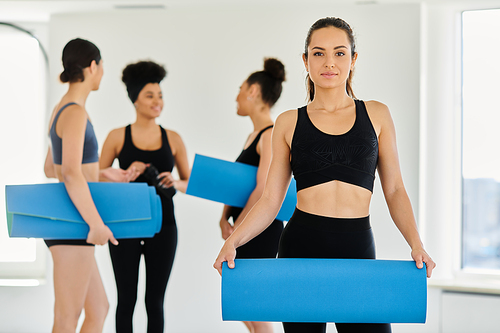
(324, 290)
(130, 210)
(231, 183)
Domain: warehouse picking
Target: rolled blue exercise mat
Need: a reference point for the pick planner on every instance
(324, 290)
(231, 183)
(130, 210)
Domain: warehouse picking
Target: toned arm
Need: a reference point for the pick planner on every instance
(181, 160)
(110, 150)
(394, 190)
(73, 123)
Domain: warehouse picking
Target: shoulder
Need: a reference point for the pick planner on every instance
(286, 119)
(73, 118)
(377, 109)
(174, 138)
(117, 133)
(115, 138)
(172, 134)
(267, 134)
(285, 125)
(379, 114)
(72, 111)
(175, 142)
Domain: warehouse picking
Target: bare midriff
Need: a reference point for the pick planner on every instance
(335, 199)
(90, 172)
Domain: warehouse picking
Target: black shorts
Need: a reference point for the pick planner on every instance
(78, 242)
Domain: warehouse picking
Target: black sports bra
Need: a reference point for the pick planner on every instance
(318, 157)
(161, 158)
(249, 155)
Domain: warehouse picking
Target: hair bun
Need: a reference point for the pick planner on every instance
(64, 77)
(275, 68)
(78, 54)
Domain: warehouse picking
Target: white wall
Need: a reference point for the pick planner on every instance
(208, 52)
(461, 315)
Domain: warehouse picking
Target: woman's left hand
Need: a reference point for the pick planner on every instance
(420, 257)
(167, 180)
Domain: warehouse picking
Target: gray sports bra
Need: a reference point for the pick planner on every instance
(90, 148)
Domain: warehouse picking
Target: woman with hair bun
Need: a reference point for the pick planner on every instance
(73, 159)
(153, 151)
(258, 94)
(333, 146)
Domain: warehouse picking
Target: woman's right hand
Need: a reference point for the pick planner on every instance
(226, 228)
(137, 168)
(227, 253)
(100, 235)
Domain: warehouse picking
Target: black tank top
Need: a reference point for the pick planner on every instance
(318, 157)
(161, 158)
(248, 156)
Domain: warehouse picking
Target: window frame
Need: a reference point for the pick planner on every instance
(449, 275)
(480, 273)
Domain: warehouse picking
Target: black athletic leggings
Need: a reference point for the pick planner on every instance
(313, 236)
(159, 253)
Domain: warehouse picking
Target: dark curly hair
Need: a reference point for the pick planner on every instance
(78, 54)
(136, 76)
(326, 23)
(269, 80)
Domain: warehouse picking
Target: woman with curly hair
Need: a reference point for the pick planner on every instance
(152, 151)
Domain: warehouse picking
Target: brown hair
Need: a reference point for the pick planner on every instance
(270, 80)
(77, 55)
(336, 23)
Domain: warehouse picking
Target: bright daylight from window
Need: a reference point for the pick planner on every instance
(22, 128)
(481, 140)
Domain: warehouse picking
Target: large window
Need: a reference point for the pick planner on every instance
(22, 133)
(481, 140)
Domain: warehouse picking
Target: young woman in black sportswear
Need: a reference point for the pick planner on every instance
(258, 93)
(332, 146)
(145, 146)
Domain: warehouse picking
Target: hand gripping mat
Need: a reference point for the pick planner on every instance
(130, 210)
(231, 183)
(324, 290)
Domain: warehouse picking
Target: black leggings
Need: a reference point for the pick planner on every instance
(265, 245)
(313, 236)
(159, 253)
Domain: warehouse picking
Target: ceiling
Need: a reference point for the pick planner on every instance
(40, 10)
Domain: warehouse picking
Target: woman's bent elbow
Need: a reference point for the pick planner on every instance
(68, 174)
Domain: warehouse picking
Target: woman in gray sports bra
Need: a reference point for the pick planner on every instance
(73, 159)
